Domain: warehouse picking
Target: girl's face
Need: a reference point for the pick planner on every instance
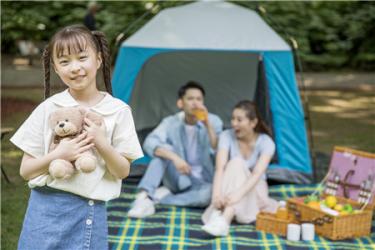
(78, 70)
(241, 124)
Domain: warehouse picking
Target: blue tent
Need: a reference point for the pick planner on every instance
(235, 55)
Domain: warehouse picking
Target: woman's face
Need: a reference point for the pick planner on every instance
(241, 124)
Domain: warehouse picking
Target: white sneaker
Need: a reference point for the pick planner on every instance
(142, 207)
(160, 193)
(217, 226)
(214, 215)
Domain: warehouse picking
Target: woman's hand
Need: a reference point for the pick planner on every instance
(96, 132)
(232, 198)
(71, 149)
(217, 202)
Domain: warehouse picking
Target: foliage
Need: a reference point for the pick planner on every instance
(329, 34)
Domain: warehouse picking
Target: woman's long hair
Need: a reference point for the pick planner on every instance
(252, 113)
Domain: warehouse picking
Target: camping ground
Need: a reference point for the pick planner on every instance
(342, 117)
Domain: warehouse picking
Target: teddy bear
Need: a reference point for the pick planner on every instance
(68, 123)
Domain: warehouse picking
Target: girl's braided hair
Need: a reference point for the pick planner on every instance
(75, 39)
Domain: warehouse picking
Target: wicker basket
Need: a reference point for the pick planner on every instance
(269, 223)
(333, 227)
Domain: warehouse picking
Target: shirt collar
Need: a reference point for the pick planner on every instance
(107, 106)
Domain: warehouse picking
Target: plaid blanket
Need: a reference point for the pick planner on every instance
(180, 228)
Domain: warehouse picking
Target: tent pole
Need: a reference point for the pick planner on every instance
(261, 10)
(306, 106)
(121, 37)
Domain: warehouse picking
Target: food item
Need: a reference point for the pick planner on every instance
(282, 211)
(314, 204)
(344, 212)
(338, 207)
(311, 198)
(331, 201)
(348, 208)
(328, 210)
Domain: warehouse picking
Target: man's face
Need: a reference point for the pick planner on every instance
(193, 99)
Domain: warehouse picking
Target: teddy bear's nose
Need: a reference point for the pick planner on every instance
(61, 125)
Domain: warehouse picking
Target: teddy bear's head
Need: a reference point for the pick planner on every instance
(67, 121)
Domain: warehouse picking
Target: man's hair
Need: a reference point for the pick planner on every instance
(190, 85)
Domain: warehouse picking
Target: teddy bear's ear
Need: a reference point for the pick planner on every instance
(97, 119)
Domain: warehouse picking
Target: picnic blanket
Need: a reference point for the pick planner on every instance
(180, 228)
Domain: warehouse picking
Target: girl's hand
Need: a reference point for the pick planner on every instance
(71, 149)
(97, 133)
(232, 198)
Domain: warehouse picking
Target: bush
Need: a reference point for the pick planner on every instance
(330, 35)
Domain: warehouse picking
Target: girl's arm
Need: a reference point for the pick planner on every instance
(69, 150)
(257, 173)
(116, 163)
(221, 160)
(32, 167)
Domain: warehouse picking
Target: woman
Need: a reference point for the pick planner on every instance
(240, 190)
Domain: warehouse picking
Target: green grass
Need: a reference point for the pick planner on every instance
(14, 196)
(337, 117)
(344, 119)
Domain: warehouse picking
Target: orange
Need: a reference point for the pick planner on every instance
(314, 204)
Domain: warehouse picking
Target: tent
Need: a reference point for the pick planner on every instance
(235, 55)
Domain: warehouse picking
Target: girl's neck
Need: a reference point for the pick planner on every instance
(87, 97)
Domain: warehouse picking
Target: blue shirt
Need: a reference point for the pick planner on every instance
(170, 134)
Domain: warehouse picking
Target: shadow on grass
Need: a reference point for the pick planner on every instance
(338, 118)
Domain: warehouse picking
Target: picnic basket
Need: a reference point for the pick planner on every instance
(268, 222)
(351, 180)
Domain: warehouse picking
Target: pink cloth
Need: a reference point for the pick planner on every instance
(235, 176)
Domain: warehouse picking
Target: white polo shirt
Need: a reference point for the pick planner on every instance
(34, 137)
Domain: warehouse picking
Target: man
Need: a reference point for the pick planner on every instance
(89, 20)
(182, 148)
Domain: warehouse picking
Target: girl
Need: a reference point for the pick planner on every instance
(240, 189)
(71, 213)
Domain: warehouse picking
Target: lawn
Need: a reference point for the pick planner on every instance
(337, 117)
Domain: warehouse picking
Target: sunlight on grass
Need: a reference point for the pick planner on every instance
(12, 154)
(337, 118)
(342, 118)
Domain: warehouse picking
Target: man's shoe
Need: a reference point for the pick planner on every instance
(160, 193)
(142, 207)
